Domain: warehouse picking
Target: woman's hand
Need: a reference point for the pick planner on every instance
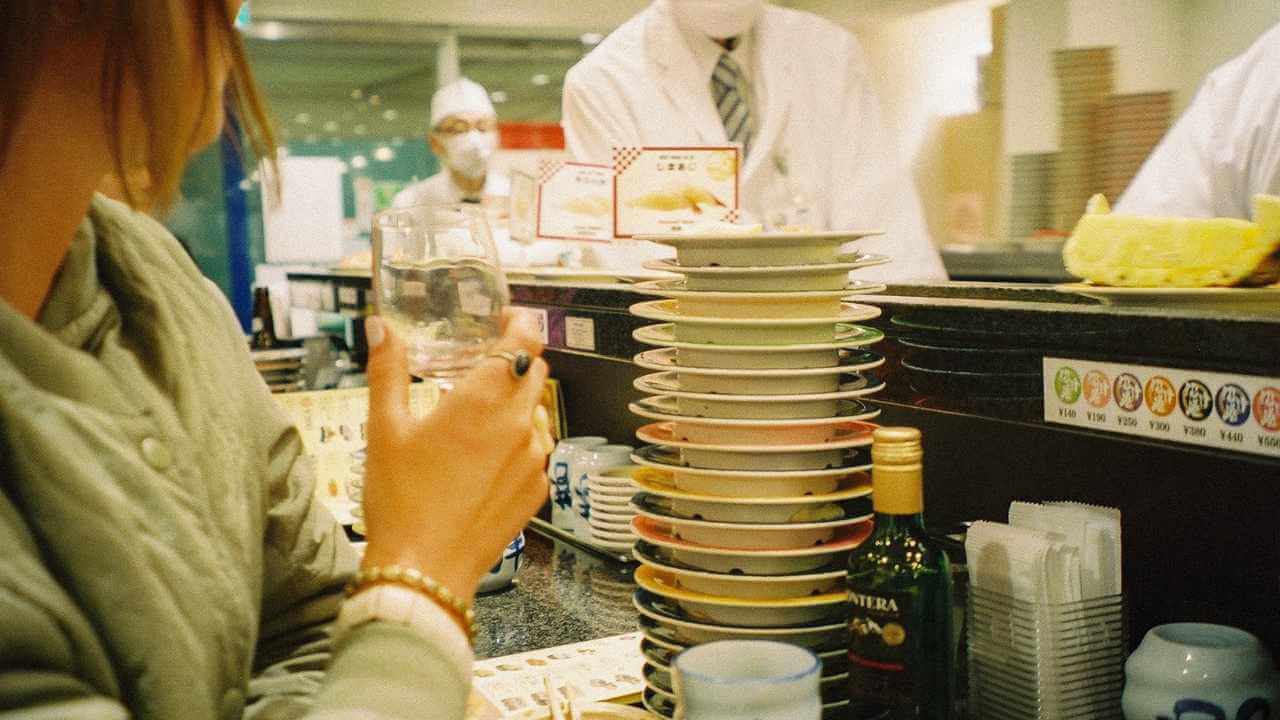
(447, 492)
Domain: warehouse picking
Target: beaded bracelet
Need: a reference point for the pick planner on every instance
(415, 580)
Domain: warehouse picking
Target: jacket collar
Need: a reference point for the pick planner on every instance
(679, 79)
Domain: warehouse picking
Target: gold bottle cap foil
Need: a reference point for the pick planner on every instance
(897, 475)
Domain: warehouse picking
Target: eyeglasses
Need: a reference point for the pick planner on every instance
(460, 126)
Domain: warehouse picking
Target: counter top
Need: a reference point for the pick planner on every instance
(561, 595)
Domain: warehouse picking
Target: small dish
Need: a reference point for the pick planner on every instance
(756, 432)
(754, 249)
(744, 483)
(790, 406)
(743, 612)
(770, 278)
(825, 579)
(822, 354)
(808, 509)
(756, 537)
(752, 330)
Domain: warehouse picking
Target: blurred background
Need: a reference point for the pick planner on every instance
(1009, 113)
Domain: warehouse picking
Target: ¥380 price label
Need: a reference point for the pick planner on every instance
(1232, 412)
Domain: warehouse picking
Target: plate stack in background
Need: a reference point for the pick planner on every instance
(1085, 79)
(754, 485)
(1129, 128)
(1030, 207)
(281, 368)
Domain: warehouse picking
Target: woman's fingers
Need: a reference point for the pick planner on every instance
(388, 373)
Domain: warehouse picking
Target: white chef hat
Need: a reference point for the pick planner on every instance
(460, 96)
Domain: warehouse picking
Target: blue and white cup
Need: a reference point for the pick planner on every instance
(560, 477)
(757, 679)
(503, 573)
(589, 462)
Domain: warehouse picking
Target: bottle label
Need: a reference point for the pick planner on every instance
(879, 631)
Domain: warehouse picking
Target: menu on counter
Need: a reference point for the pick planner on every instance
(665, 189)
(598, 671)
(1219, 410)
(332, 424)
(575, 201)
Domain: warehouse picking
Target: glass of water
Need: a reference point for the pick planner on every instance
(438, 284)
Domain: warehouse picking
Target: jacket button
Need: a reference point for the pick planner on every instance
(232, 705)
(156, 453)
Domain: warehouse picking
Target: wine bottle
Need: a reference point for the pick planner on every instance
(901, 650)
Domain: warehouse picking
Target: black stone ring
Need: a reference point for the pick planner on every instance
(520, 361)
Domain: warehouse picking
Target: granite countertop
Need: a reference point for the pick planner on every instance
(561, 595)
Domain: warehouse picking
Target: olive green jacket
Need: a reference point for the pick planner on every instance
(163, 556)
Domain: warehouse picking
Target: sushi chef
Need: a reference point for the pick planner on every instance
(464, 135)
(792, 88)
(1224, 149)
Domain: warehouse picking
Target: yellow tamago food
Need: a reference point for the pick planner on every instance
(1131, 251)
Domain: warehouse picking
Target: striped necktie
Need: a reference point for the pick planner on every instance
(728, 89)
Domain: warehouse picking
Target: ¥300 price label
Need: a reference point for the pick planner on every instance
(1232, 412)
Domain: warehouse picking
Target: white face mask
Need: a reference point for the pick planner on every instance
(468, 154)
(717, 19)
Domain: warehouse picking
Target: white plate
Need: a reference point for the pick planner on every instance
(622, 527)
(763, 587)
(848, 435)
(851, 487)
(753, 331)
(769, 248)
(805, 303)
(738, 381)
(743, 483)
(619, 538)
(603, 515)
(766, 278)
(742, 612)
(751, 540)
(610, 498)
(805, 511)
(669, 359)
(757, 407)
(660, 637)
(806, 355)
(692, 632)
(1265, 299)
(763, 432)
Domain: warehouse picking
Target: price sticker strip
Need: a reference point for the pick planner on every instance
(1219, 410)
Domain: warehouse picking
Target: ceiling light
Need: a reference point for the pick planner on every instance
(357, 94)
(331, 126)
(384, 154)
(359, 162)
(390, 115)
(498, 96)
(591, 38)
(360, 129)
(302, 118)
(540, 79)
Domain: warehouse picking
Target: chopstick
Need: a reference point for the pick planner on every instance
(574, 712)
(553, 699)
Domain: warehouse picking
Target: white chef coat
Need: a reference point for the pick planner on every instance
(816, 123)
(1224, 149)
(440, 189)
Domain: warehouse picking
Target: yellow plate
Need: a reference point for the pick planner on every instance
(662, 583)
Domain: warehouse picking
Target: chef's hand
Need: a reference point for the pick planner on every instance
(446, 493)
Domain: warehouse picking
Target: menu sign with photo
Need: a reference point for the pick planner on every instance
(666, 189)
(575, 202)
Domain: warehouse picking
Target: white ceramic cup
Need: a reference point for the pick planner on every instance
(1185, 671)
(735, 679)
(560, 477)
(587, 462)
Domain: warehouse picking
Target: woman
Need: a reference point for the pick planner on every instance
(163, 555)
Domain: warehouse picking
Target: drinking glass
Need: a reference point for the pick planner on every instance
(747, 680)
(438, 283)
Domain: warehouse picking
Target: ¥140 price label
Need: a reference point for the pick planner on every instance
(1228, 411)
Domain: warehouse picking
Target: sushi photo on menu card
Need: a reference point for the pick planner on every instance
(575, 202)
(659, 190)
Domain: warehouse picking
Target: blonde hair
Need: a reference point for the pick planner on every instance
(140, 40)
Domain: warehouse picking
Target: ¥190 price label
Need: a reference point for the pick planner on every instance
(1220, 410)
